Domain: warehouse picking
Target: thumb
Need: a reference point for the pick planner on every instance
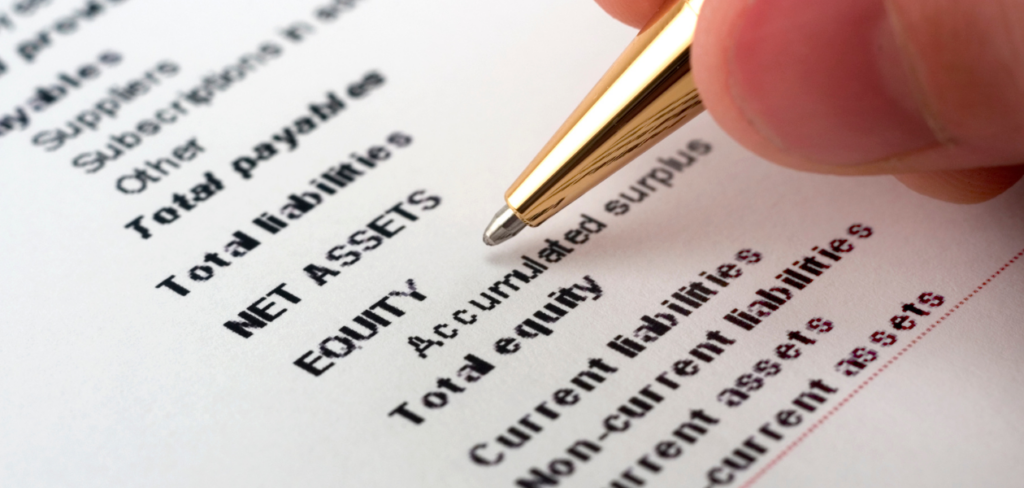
(928, 89)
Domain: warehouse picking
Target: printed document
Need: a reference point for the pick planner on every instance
(242, 247)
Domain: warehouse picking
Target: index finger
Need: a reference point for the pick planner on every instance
(631, 12)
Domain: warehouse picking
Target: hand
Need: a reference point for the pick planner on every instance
(931, 91)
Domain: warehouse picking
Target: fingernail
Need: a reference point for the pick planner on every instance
(824, 80)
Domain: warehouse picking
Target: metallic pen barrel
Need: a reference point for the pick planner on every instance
(646, 94)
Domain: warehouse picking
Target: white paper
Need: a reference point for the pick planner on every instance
(110, 381)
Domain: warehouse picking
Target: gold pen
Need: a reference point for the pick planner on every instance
(647, 93)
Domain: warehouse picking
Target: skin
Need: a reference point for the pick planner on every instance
(930, 91)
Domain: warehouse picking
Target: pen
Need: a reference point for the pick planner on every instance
(647, 93)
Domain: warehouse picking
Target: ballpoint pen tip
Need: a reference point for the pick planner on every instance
(504, 226)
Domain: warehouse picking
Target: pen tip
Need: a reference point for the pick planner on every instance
(504, 226)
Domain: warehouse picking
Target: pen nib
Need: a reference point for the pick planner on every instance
(503, 227)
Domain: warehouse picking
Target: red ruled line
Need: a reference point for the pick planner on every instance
(874, 375)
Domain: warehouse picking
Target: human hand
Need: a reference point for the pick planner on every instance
(931, 91)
